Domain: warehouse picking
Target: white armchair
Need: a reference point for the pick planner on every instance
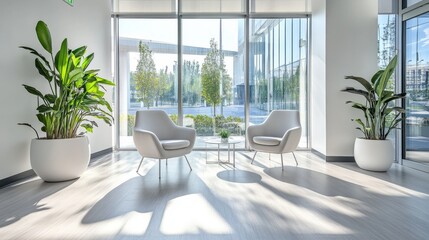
(156, 136)
(279, 133)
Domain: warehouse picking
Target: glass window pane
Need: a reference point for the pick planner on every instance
(145, 6)
(417, 89)
(213, 77)
(147, 70)
(213, 6)
(273, 85)
(285, 6)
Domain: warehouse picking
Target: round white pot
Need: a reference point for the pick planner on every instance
(56, 160)
(374, 155)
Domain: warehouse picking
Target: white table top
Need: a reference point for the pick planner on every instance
(217, 140)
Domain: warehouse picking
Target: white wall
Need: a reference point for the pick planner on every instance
(350, 41)
(87, 23)
(318, 76)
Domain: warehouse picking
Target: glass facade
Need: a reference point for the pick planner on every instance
(416, 75)
(147, 71)
(190, 61)
(278, 68)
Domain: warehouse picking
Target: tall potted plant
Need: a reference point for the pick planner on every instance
(374, 151)
(74, 100)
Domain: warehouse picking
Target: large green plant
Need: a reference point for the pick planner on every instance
(381, 115)
(76, 93)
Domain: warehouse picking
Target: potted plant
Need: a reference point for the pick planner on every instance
(74, 100)
(374, 151)
(224, 135)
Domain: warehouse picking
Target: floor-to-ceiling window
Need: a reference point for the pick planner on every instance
(387, 49)
(208, 44)
(416, 85)
(278, 68)
(167, 50)
(415, 77)
(147, 70)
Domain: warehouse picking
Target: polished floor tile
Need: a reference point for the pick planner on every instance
(315, 200)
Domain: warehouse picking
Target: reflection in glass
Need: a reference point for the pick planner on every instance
(417, 88)
(147, 70)
(213, 77)
(278, 67)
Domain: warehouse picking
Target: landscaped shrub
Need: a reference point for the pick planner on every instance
(204, 124)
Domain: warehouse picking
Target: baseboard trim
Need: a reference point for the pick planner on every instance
(30, 173)
(333, 158)
(101, 153)
(17, 177)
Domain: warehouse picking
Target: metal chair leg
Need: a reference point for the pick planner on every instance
(140, 165)
(166, 161)
(188, 162)
(281, 156)
(253, 159)
(159, 164)
(295, 158)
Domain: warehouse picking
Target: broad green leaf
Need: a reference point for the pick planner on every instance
(41, 118)
(62, 62)
(50, 97)
(376, 76)
(44, 36)
(88, 127)
(44, 108)
(362, 81)
(79, 52)
(33, 91)
(105, 81)
(87, 61)
(380, 85)
(75, 75)
(32, 51)
(42, 70)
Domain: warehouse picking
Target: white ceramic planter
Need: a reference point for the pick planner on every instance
(56, 160)
(374, 155)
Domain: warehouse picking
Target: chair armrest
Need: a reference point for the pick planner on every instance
(147, 144)
(185, 133)
(291, 139)
(254, 130)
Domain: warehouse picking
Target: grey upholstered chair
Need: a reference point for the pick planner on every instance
(279, 133)
(156, 136)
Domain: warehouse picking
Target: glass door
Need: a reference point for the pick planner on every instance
(415, 81)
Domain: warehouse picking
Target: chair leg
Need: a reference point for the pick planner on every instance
(281, 156)
(140, 165)
(253, 159)
(269, 156)
(166, 161)
(188, 162)
(159, 173)
(295, 158)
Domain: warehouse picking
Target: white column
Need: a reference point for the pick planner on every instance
(344, 42)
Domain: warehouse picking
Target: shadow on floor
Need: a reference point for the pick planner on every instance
(16, 208)
(397, 174)
(239, 176)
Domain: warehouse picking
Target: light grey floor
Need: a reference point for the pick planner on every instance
(315, 200)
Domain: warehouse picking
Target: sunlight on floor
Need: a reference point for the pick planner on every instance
(192, 214)
(136, 224)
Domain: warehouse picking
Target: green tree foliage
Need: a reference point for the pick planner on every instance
(226, 85)
(292, 87)
(191, 83)
(210, 76)
(145, 76)
(164, 85)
